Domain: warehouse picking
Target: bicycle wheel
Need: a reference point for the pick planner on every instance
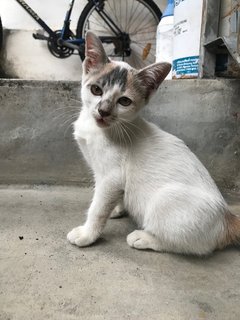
(138, 19)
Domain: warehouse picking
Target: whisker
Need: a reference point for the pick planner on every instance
(121, 135)
(131, 131)
(76, 100)
(60, 119)
(68, 127)
(127, 134)
(133, 125)
(65, 113)
(69, 108)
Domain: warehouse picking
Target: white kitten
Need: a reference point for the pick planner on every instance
(140, 168)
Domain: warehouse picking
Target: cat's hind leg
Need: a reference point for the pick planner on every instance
(141, 239)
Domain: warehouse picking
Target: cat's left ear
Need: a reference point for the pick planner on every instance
(94, 52)
(152, 76)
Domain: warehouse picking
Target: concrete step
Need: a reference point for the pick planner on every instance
(36, 144)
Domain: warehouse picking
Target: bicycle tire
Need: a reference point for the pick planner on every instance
(138, 43)
(1, 34)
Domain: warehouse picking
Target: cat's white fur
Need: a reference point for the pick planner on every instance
(161, 183)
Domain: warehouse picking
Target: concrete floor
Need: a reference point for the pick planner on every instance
(42, 276)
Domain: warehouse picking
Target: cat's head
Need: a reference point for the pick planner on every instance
(112, 90)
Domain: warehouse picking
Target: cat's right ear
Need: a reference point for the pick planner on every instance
(95, 55)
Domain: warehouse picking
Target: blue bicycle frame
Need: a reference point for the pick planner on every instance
(62, 43)
(66, 27)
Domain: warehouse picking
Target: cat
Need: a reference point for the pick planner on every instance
(139, 168)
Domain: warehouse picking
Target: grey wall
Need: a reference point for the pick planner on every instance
(206, 115)
(36, 145)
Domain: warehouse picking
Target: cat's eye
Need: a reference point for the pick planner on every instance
(125, 101)
(96, 90)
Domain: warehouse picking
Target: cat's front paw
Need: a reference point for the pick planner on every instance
(80, 237)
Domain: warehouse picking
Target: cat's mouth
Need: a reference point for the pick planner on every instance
(102, 123)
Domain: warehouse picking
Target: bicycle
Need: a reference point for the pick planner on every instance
(127, 30)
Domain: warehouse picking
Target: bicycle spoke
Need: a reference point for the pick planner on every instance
(145, 32)
(134, 17)
(142, 21)
(135, 11)
(128, 13)
(104, 28)
(113, 10)
(137, 60)
(143, 27)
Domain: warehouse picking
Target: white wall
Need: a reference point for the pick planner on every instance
(29, 58)
(51, 11)
(14, 16)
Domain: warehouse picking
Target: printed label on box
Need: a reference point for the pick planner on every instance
(188, 66)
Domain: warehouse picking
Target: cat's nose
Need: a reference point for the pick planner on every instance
(103, 113)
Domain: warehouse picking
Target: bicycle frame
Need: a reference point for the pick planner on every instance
(35, 16)
(66, 26)
(67, 38)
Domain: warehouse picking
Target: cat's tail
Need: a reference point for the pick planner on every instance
(231, 231)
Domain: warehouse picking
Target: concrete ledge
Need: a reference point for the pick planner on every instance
(36, 142)
(37, 147)
(206, 115)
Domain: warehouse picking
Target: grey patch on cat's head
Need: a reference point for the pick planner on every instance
(117, 75)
